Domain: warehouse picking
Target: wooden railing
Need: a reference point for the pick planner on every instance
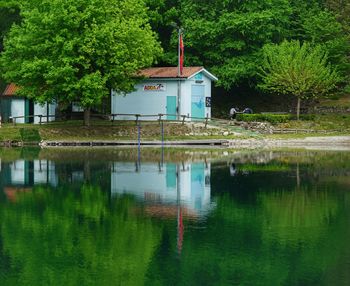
(114, 117)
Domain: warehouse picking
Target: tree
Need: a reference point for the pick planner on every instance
(227, 36)
(297, 69)
(78, 50)
(9, 14)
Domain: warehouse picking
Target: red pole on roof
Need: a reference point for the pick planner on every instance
(180, 53)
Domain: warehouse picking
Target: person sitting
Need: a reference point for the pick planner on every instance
(233, 112)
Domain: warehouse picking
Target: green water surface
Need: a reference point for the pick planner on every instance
(119, 217)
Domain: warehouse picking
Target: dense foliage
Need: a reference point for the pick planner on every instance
(227, 37)
(78, 50)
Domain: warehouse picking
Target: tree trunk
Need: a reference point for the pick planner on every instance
(87, 117)
(298, 108)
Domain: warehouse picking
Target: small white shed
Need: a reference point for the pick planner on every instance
(162, 91)
(12, 105)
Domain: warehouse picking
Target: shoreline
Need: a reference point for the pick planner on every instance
(314, 143)
(317, 143)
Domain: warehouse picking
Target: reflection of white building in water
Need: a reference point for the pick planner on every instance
(32, 172)
(188, 183)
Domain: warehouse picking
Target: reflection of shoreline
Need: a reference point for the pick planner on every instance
(160, 186)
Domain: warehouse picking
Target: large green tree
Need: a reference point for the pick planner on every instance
(297, 69)
(227, 36)
(77, 50)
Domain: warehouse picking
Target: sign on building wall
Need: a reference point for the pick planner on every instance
(154, 87)
(208, 102)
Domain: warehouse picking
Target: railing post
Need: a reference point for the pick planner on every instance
(206, 120)
(113, 115)
(40, 117)
(137, 118)
(14, 121)
(183, 119)
(160, 115)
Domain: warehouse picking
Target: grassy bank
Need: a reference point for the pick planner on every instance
(104, 130)
(320, 125)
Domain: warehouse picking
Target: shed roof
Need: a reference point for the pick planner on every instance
(172, 72)
(10, 90)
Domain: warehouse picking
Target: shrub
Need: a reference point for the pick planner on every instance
(306, 117)
(272, 118)
(30, 135)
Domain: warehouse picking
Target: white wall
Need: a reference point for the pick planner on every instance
(42, 110)
(143, 102)
(18, 109)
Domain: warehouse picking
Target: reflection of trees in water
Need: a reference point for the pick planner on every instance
(285, 238)
(61, 236)
(298, 215)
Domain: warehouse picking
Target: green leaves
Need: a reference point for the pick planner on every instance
(226, 36)
(300, 70)
(78, 50)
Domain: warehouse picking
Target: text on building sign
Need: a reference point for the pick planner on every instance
(154, 87)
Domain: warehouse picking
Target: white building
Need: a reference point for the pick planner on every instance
(12, 106)
(162, 91)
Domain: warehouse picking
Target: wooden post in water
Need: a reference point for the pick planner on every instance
(162, 132)
(139, 143)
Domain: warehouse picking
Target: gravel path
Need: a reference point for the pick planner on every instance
(315, 143)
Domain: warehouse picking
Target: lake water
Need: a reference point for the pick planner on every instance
(210, 217)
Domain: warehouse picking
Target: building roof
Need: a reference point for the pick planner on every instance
(172, 72)
(10, 90)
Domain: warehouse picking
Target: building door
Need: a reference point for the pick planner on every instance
(5, 109)
(171, 107)
(197, 102)
(29, 111)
